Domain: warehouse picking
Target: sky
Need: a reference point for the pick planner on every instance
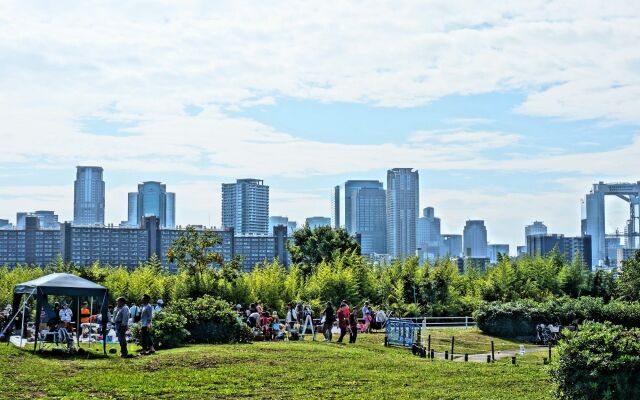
(510, 112)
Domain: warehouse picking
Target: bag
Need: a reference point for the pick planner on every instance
(335, 330)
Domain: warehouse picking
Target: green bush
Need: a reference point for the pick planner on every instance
(168, 329)
(519, 318)
(210, 320)
(599, 361)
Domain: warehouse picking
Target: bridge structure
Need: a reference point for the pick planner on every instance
(593, 222)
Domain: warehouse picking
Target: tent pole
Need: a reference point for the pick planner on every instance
(78, 332)
(103, 311)
(24, 306)
(38, 319)
(90, 314)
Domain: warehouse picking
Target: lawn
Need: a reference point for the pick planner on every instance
(287, 370)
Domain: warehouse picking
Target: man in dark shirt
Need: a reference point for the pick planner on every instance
(342, 320)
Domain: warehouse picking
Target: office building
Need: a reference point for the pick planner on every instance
(335, 208)
(47, 219)
(475, 239)
(88, 196)
(451, 246)
(349, 188)
(4, 224)
(277, 220)
(316, 222)
(369, 219)
(428, 237)
(494, 249)
(293, 226)
(245, 206)
(402, 211)
(522, 251)
(537, 228)
(568, 247)
(152, 200)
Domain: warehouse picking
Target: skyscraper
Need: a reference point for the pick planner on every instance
(428, 238)
(316, 222)
(402, 211)
(349, 188)
(451, 246)
(475, 239)
(47, 219)
(494, 249)
(88, 198)
(152, 199)
(537, 228)
(245, 206)
(369, 219)
(335, 207)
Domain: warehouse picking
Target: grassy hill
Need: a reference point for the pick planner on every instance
(366, 370)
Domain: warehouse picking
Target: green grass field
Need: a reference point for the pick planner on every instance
(286, 370)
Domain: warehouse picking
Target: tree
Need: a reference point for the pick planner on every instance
(629, 281)
(193, 252)
(574, 277)
(310, 247)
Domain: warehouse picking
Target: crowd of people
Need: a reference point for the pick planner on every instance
(298, 321)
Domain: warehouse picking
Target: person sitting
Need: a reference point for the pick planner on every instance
(64, 337)
(277, 329)
(265, 323)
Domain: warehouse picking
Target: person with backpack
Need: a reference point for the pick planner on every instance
(328, 317)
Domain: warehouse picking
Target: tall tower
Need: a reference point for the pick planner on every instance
(402, 211)
(537, 228)
(428, 236)
(88, 196)
(335, 208)
(245, 206)
(475, 239)
(350, 187)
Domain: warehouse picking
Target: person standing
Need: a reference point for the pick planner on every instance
(292, 316)
(342, 320)
(121, 322)
(329, 316)
(134, 313)
(66, 314)
(145, 325)
(353, 327)
(85, 313)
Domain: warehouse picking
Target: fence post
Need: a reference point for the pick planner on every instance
(549, 351)
(429, 348)
(488, 358)
(433, 354)
(493, 354)
(466, 322)
(513, 360)
(545, 361)
(446, 354)
(453, 340)
(466, 357)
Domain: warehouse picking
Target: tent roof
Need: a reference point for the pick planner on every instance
(60, 284)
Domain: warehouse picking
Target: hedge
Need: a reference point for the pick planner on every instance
(520, 318)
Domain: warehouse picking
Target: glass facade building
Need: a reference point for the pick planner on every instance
(402, 211)
(245, 206)
(88, 197)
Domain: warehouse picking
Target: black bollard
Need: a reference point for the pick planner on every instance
(466, 357)
(446, 354)
(488, 358)
(433, 354)
(429, 348)
(453, 341)
(423, 353)
(386, 342)
(513, 360)
(549, 351)
(493, 354)
(545, 361)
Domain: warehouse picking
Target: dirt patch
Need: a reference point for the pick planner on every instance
(203, 362)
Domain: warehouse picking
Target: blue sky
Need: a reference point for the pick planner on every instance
(509, 112)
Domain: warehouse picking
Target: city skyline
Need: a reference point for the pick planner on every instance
(509, 115)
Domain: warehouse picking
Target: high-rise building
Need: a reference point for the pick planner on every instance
(475, 239)
(494, 249)
(537, 228)
(277, 220)
(369, 219)
(349, 188)
(568, 247)
(402, 211)
(293, 226)
(316, 222)
(4, 224)
(88, 197)
(47, 219)
(245, 206)
(428, 237)
(335, 208)
(152, 200)
(451, 246)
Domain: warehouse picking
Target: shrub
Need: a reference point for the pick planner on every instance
(519, 318)
(210, 320)
(599, 361)
(167, 329)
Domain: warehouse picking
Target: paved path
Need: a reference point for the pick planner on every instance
(499, 354)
